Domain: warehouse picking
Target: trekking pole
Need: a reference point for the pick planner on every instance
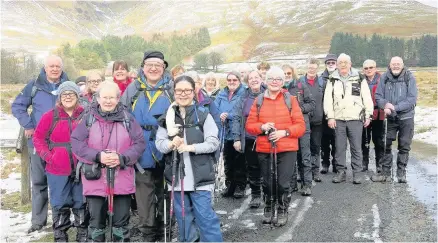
(110, 190)
(219, 166)
(181, 177)
(164, 213)
(172, 198)
(274, 162)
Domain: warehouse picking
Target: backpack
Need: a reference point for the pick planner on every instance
(165, 88)
(332, 80)
(286, 96)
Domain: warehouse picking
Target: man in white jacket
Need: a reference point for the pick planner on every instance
(348, 107)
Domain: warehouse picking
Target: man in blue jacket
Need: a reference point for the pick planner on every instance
(397, 94)
(148, 97)
(41, 94)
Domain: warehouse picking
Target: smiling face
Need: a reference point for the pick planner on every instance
(53, 68)
(184, 93)
(232, 82)
(396, 65)
(311, 70)
(153, 69)
(288, 72)
(344, 66)
(108, 99)
(254, 81)
(210, 84)
(120, 73)
(93, 81)
(369, 69)
(69, 99)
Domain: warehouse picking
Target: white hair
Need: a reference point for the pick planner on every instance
(275, 72)
(51, 57)
(344, 56)
(369, 61)
(108, 85)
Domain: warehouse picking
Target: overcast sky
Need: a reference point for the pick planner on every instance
(433, 3)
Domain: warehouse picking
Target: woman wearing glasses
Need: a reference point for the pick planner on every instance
(290, 74)
(93, 79)
(189, 130)
(52, 143)
(234, 161)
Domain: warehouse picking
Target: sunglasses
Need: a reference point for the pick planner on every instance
(288, 73)
(366, 68)
(330, 63)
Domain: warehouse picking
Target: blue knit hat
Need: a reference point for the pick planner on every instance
(68, 86)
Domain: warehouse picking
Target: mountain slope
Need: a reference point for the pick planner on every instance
(240, 29)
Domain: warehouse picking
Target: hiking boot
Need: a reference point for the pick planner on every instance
(239, 193)
(401, 175)
(34, 227)
(324, 170)
(381, 178)
(267, 215)
(255, 202)
(334, 170)
(227, 192)
(364, 168)
(316, 176)
(282, 218)
(307, 191)
(339, 177)
(81, 234)
(357, 179)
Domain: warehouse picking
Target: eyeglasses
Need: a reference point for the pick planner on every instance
(156, 65)
(288, 73)
(185, 91)
(278, 80)
(313, 69)
(110, 98)
(330, 63)
(366, 68)
(67, 95)
(343, 62)
(97, 81)
(232, 80)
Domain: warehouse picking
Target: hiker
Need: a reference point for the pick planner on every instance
(93, 79)
(81, 82)
(133, 74)
(263, 67)
(277, 119)
(51, 140)
(290, 74)
(234, 162)
(244, 142)
(300, 90)
(316, 87)
(328, 145)
(176, 71)
(108, 137)
(211, 85)
(244, 69)
(41, 94)
(397, 95)
(190, 131)
(375, 129)
(349, 108)
(148, 97)
(121, 75)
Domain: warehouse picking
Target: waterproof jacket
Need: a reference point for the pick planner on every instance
(317, 91)
(305, 99)
(208, 103)
(108, 132)
(43, 101)
(348, 100)
(150, 104)
(400, 91)
(241, 113)
(276, 111)
(224, 104)
(378, 114)
(199, 130)
(49, 135)
(86, 99)
(213, 94)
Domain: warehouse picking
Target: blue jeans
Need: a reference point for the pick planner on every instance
(64, 192)
(199, 215)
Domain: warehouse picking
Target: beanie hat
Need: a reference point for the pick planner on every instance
(68, 86)
(81, 79)
(154, 54)
(235, 73)
(330, 57)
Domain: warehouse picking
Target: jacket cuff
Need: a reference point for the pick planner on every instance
(97, 159)
(123, 161)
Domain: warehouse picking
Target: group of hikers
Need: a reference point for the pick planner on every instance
(108, 147)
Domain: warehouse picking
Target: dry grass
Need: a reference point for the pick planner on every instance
(427, 88)
(8, 92)
(12, 201)
(8, 168)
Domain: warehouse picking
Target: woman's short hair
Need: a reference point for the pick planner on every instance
(263, 65)
(211, 75)
(176, 69)
(294, 70)
(108, 85)
(275, 72)
(94, 72)
(256, 71)
(120, 63)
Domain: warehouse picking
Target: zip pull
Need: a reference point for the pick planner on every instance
(253, 146)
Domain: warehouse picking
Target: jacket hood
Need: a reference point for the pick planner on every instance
(117, 115)
(42, 78)
(165, 79)
(353, 73)
(393, 77)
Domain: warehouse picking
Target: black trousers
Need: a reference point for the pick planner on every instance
(315, 146)
(403, 130)
(375, 132)
(234, 167)
(98, 208)
(286, 162)
(253, 165)
(327, 140)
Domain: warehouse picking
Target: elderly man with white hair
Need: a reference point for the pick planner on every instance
(348, 107)
(397, 95)
(41, 94)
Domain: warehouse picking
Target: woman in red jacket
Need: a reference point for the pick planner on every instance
(276, 119)
(121, 75)
(52, 143)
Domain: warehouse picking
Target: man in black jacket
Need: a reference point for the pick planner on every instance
(397, 95)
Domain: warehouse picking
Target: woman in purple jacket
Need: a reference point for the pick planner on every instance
(108, 138)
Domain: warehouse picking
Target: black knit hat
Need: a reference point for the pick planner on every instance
(330, 57)
(154, 54)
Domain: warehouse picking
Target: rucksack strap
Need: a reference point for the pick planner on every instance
(286, 97)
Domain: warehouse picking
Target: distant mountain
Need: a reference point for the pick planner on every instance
(240, 29)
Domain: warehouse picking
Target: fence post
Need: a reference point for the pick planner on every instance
(23, 149)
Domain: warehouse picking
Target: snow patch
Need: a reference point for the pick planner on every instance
(426, 127)
(12, 183)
